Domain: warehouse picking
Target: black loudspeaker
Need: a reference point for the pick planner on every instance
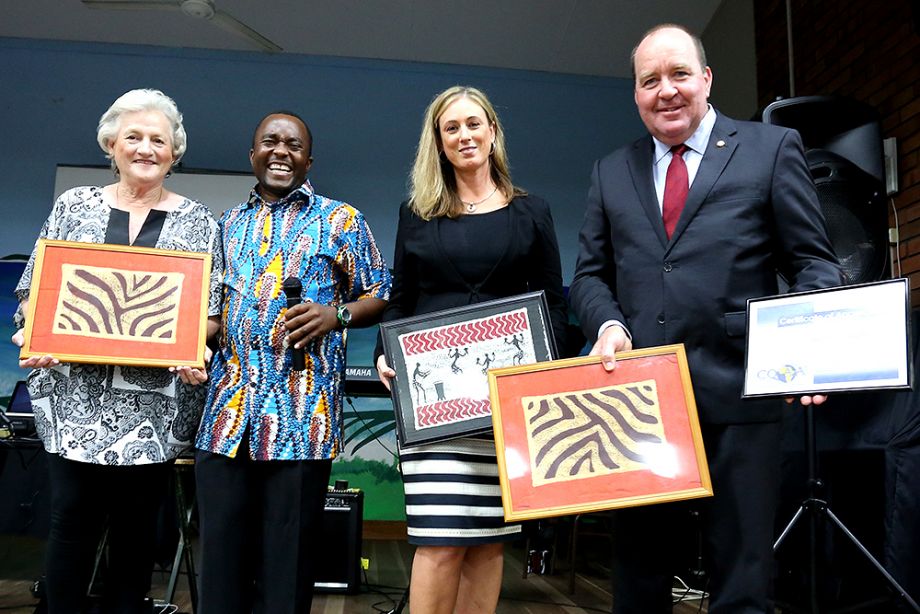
(843, 148)
(339, 547)
(25, 498)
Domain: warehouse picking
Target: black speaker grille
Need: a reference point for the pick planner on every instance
(854, 209)
(859, 248)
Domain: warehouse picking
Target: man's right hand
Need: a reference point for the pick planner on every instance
(611, 341)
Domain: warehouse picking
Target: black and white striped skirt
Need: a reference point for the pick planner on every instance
(453, 497)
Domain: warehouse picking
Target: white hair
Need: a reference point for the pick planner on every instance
(141, 100)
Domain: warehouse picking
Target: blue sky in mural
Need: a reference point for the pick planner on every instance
(10, 271)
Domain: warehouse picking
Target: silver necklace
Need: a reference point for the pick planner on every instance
(471, 207)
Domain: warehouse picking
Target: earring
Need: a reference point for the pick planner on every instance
(492, 150)
(442, 158)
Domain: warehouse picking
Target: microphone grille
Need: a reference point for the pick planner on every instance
(292, 286)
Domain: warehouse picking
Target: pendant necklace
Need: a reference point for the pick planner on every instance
(471, 207)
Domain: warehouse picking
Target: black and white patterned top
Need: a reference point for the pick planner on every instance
(119, 415)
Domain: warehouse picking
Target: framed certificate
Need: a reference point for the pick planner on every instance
(844, 338)
(115, 304)
(441, 360)
(571, 437)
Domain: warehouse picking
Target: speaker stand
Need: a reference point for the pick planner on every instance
(817, 509)
(402, 603)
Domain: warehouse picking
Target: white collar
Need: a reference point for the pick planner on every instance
(697, 141)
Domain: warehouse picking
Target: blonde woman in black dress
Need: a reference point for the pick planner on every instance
(466, 235)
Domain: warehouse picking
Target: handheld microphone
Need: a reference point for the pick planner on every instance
(292, 289)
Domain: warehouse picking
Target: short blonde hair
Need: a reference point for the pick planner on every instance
(141, 100)
(433, 186)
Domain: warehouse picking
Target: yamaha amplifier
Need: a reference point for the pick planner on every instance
(340, 542)
(363, 382)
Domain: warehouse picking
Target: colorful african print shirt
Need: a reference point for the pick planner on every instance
(290, 415)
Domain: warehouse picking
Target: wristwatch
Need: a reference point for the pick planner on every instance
(343, 316)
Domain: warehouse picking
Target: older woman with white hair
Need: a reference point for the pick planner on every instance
(111, 431)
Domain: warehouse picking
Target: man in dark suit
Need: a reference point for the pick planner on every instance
(670, 253)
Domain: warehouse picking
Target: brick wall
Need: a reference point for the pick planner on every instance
(863, 50)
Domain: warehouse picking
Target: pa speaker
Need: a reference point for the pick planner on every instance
(854, 208)
(25, 498)
(843, 148)
(340, 543)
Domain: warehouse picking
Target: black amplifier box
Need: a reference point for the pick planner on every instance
(340, 543)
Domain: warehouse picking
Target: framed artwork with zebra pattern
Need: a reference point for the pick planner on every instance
(441, 360)
(573, 438)
(115, 304)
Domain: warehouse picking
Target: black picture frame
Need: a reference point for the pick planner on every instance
(441, 359)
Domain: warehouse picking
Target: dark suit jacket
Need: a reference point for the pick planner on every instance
(752, 211)
(425, 280)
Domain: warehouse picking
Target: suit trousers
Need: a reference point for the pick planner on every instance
(260, 522)
(737, 525)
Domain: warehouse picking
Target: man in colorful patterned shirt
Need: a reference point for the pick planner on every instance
(269, 432)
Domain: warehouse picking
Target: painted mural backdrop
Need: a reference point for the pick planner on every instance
(369, 461)
(10, 373)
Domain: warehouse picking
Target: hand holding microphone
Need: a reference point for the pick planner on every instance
(307, 321)
(292, 289)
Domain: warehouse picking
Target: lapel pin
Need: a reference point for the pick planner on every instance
(720, 143)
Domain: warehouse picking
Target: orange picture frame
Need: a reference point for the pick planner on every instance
(572, 438)
(116, 304)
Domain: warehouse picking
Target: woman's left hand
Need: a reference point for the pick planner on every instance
(191, 375)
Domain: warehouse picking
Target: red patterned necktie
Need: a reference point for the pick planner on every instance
(676, 186)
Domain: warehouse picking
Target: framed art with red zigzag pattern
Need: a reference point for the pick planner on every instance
(442, 359)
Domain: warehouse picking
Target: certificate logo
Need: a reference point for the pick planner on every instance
(784, 374)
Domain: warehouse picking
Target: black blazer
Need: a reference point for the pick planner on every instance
(752, 211)
(425, 280)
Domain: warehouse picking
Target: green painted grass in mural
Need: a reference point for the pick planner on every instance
(381, 483)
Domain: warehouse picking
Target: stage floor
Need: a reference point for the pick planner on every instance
(390, 561)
